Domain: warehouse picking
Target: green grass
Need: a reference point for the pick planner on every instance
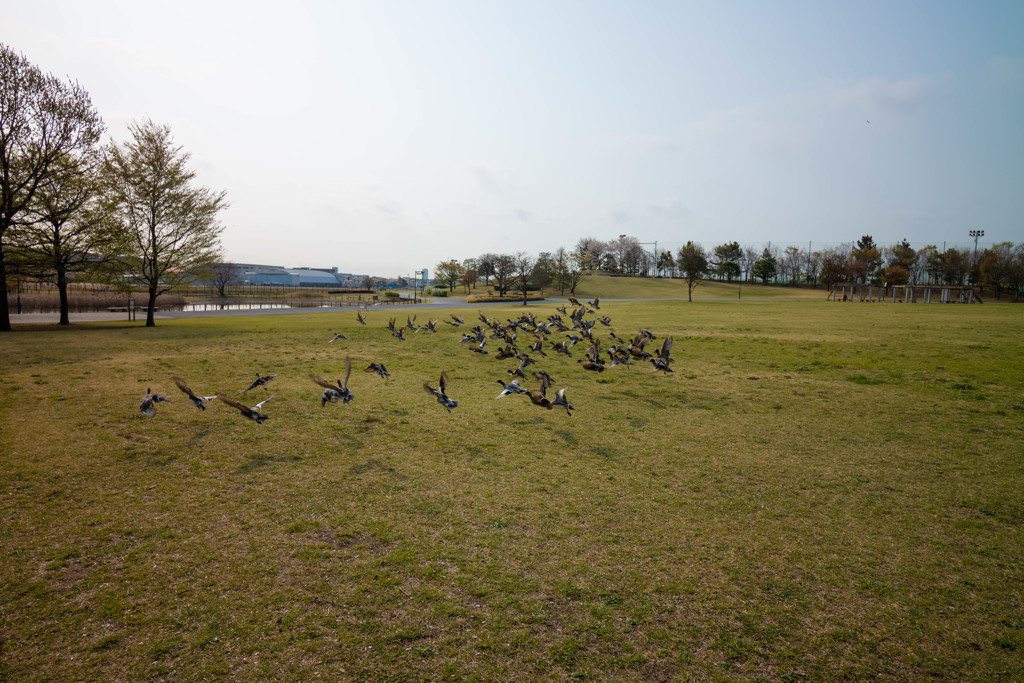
(819, 491)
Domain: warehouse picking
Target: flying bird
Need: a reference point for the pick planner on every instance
(261, 381)
(360, 318)
(441, 393)
(378, 368)
(660, 364)
(337, 336)
(335, 392)
(253, 413)
(197, 401)
(509, 388)
(149, 401)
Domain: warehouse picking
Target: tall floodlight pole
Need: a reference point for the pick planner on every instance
(976, 234)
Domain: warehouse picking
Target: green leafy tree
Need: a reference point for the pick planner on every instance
(544, 271)
(723, 253)
(166, 224)
(766, 267)
(666, 263)
(729, 270)
(44, 122)
(693, 262)
(68, 232)
(866, 259)
(577, 271)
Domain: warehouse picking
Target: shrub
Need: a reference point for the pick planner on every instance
(436, 291)
(391, 294)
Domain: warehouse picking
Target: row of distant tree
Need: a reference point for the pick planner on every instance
(129, 212)
(999, 267)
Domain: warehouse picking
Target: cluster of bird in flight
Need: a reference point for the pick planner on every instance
(619, 352)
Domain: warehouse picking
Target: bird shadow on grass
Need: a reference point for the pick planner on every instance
(160, 459)
(373, 464)
(258, 461)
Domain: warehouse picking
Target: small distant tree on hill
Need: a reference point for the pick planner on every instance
(577, 271)
(693, 262)
(766, 267)
(666, 263)
(729, 270)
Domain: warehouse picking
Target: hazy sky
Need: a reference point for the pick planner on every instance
(386, 136)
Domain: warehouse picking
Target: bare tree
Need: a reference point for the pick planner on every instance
(523, 266)
(468, 277)
(225, 275)
(43, 121)
(167, 225)
(749, 258)
(504, 270)
(485, 267)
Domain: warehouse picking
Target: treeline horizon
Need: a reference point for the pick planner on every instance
(999, 267)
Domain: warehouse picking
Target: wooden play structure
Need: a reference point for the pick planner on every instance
(943, 294)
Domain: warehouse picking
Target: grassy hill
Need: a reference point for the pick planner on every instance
(817, 492)
(662, 288)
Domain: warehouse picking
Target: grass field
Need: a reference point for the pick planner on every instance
(819, 491)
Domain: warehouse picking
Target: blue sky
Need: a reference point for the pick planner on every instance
(386, 136)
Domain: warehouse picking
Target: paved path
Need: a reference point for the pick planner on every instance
(17, 318)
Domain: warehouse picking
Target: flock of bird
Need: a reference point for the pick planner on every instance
(578, 330)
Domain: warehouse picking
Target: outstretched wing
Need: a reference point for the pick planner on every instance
(233, 403)
(444, 383)
(348, 371)
(322, 382)
(183, 387)
(260, 404)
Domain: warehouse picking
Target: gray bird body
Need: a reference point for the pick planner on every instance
(441, 393)
(197, 401)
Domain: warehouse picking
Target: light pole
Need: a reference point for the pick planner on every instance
(976, 234)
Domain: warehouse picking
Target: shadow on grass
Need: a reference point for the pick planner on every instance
(373, 464)
(258, 461)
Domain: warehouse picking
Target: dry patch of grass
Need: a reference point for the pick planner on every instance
(818, 491)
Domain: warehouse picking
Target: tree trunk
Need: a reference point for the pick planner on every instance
(62, 288)
(5, 313)
(152, 305)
